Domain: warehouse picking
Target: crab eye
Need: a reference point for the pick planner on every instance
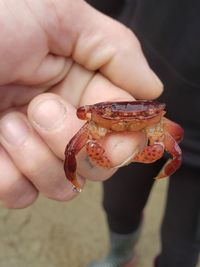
(83, 112)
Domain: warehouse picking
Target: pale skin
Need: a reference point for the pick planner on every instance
(52, 62)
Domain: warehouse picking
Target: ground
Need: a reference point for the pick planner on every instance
(71, 234)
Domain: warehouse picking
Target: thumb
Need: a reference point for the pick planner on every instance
(100, 43)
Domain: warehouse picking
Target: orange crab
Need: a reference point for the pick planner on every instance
(106, 117)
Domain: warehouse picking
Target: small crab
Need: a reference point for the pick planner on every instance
(106, 117)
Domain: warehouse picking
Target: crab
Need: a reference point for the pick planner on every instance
(102, 118)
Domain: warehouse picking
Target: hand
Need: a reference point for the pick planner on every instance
(79, 56)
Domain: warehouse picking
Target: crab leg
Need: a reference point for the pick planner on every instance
(72, 149)
(155, 149)
(173, 164)
(174, 129)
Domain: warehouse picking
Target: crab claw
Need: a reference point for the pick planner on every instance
(171, 166)
(173, 135)
(72, 149)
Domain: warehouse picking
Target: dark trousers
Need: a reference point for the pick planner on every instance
(126, 194)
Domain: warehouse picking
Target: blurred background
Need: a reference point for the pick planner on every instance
(71, 234)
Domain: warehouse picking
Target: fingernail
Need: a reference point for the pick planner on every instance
(128, 160)
(14, 129)
(49, 114)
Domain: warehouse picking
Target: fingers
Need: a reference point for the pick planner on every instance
(100, 89)
(15, 190)
(89, 88)
(55, 121)
(74, 85)
(100, 43)
(94, 40)
(49, 71)
(33, 158)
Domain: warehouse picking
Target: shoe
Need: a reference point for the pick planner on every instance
(131, 263)
(121, 252)
(155, 262)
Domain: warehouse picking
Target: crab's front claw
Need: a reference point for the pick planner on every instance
(97, 154)
(72, 149)
(171, 166)
(150, 154)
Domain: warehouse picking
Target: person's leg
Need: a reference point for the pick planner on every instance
(110, 7)
(125, 196)
(181, 225)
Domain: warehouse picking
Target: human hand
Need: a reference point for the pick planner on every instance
(81, 57)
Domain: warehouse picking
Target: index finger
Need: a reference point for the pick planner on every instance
(98, 42)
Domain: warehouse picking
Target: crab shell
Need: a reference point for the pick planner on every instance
(123, 116)
(147, 116)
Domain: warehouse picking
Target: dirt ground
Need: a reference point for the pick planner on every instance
(71, 234)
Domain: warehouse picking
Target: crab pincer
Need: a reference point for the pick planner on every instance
(108, 117)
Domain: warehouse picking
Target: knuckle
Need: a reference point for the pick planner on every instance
(17, 192)
(20, 202)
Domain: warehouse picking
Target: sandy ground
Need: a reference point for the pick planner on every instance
(71, 234)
